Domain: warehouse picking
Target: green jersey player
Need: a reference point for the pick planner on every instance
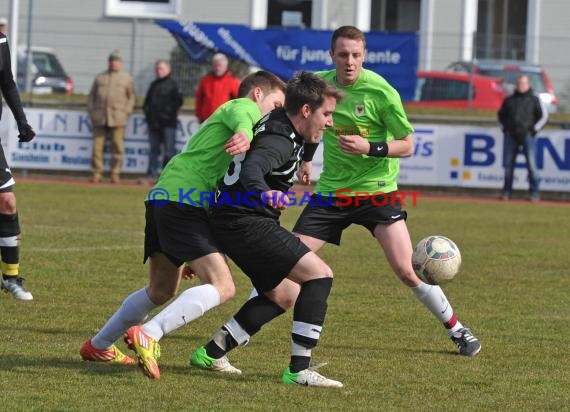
(362, 159)
(177, 231)
(194, 173)
(373, 111)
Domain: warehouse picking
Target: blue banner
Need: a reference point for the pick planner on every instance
(285, 51)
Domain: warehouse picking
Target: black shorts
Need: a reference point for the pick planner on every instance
(262, 249)
(179, 231)
(325, 218)
(6, 178)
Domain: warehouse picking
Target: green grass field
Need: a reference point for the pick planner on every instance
(82, 255)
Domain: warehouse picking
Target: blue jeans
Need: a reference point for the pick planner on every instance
(512, 148)
(165, 136)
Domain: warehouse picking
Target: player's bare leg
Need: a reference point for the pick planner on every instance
(164, 280)
(395, 241)
(256, 312)
(315, 278)
(11, 281)
(307, 288)
(217, 287)
(312, 242)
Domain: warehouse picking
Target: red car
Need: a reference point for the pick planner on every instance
(445, 89)
(508, 71)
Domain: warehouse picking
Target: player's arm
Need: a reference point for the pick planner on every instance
(241, 119)
(395, 120)
(393, 116)
(268, 153)
(304, 172)
(402, 147)
(238, 143)
(306, 166)
(355, 144)
(11, 94)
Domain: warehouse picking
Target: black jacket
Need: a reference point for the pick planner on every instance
(162, 102)
(7, 84)
(269, 164)
(522, 114)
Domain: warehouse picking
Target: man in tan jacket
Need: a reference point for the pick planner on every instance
(111, 101)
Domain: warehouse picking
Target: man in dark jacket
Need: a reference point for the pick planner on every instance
(161, 105)
(10, 280)
(522, 115)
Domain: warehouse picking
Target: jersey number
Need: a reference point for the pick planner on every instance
(232, 175)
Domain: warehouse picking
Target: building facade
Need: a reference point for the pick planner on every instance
(83, 35)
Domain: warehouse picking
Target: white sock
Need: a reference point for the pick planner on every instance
(190, 305)
(299, 350)
(238, 333)
(134, 309)
(434, 299)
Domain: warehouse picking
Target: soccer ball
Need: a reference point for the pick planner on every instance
(436, 259)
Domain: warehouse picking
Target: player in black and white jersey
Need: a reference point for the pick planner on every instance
(245, 220)
(10, 280)
(271, 166)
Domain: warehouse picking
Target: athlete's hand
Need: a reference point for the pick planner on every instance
(275, 199)
(26, 132)
(237, 144)
(188, 273)
(304, 173)
(354, 144)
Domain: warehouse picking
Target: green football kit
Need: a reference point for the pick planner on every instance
(372, 109)
(195, 172)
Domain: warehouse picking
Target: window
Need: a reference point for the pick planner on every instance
(289, 13)
(501, 29)
(44, 64)
(536, 79)
(431, 89)
(142, 8)
(395, 15)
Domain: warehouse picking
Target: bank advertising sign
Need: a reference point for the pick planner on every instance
(471, 156)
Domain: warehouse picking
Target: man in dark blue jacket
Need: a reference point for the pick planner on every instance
(161, 105)
(522, 115)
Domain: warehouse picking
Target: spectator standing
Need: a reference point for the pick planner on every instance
(110, 102)
(215, 88)
(161, 105)
(4, 26)
(521, 115)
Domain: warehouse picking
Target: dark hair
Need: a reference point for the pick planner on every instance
(266, 81)
(350, 32)
(307, 88)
